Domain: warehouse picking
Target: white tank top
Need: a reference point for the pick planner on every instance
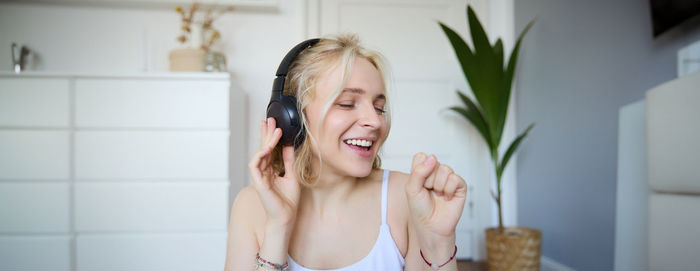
(385, 255)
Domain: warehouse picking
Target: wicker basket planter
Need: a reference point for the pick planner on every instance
(517, 248)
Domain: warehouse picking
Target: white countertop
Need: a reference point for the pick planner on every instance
(172, 75)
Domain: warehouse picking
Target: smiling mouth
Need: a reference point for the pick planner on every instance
(361, 144)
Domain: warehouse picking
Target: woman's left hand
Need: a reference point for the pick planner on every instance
(436, 197)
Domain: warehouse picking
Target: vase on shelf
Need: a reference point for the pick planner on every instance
(215, 62)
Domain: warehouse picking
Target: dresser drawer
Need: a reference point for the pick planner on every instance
(150, 206)
(151, 155)
(146, 252)
(35, 252)
(46, 202)
(34, 154)
(40, 102)
(152, 103)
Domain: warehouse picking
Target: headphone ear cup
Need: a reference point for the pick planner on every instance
(277, 110)
(287, 118)
(295, 123)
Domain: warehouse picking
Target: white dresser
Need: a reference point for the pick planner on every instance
(118, 172)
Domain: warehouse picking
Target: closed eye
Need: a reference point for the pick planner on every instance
(349, 106)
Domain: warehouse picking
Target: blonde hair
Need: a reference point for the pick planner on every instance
(304, 74)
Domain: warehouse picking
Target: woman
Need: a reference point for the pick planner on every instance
(326, 204)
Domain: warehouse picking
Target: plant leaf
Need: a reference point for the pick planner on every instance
(485, 75)
(510, 73)
(500, 113)
(479, 37)
(471, 106)
(498, 51)
(462, 50)
(472, 113)
(473, 120)
(473, 72)
(513, 59)
(511, 149)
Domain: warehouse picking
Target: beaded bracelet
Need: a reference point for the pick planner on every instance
(262, 262)
(435, 266)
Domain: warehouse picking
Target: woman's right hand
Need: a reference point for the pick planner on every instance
(279, 195)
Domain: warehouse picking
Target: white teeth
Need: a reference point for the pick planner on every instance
(359, 142)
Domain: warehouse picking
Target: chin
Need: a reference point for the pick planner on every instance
(360, 171)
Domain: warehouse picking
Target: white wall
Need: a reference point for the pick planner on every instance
(580, 63)
(97, 39)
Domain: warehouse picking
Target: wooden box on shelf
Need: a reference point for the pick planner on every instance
(187, 60)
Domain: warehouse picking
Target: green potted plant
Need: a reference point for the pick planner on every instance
(508, 248)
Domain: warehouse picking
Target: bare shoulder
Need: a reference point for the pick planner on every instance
(397, 184)
(399, 177)
(247, 195)
(246, 216)
(247, 210)
(247, 198)
(250, 200)
(398, 210)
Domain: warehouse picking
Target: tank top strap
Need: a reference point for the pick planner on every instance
(385, 182)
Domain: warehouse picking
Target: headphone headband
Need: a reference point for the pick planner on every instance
(289, 58)
(283, 69)
(284, 108)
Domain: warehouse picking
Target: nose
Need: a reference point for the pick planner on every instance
(369, 117)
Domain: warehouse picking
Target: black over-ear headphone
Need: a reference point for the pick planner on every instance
(284, 108)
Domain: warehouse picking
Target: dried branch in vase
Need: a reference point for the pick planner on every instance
(209, 34)
(187, 18)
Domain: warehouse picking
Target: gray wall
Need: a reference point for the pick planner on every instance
(582, 61)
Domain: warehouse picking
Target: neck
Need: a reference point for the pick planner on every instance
(328, 198)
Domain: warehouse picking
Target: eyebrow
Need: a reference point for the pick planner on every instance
(362, 91)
